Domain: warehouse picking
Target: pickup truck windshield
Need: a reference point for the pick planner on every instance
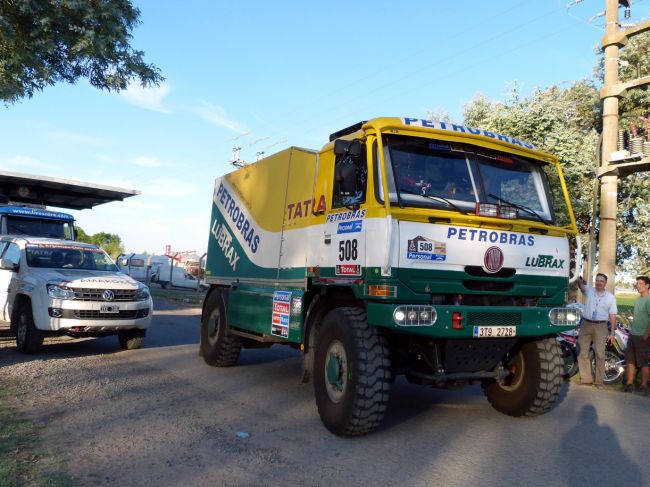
(68, 257)
(427, 172)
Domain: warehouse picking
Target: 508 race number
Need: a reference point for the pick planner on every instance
(348, 250)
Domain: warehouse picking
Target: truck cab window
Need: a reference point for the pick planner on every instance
(350, 180)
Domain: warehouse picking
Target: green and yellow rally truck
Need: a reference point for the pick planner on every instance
(404, 246)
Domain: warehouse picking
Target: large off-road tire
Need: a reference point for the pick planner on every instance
(28, 338)
(352, 373)
(131, 339)
(218, 348)
(534, 383)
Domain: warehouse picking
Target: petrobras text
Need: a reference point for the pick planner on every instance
(452, 127)
(474, 235)
(230, 207)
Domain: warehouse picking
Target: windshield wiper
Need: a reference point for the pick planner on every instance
(522, 207)
(436, 198)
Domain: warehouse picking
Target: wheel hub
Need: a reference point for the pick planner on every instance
(213, 322)
(336, 371)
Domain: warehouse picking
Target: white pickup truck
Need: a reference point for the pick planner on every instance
(55, 287)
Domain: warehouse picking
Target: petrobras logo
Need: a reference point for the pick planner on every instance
(350, 227)
(493, 260)
(244, 226)
(452, 127)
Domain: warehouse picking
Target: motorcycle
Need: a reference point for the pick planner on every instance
(568, 341)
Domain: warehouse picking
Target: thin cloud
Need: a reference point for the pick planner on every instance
(19, 163)
(147, 161)
(216, 115)
(150, 98)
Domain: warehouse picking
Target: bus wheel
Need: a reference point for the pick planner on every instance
(352, 373)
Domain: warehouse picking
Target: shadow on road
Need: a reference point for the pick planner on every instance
(589, 446)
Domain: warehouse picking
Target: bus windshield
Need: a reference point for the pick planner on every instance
(430, 173)
(35, 227)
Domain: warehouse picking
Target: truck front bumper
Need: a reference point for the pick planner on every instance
(465, 322)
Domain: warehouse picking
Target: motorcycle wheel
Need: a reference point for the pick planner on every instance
(614, 367)
(570, 358)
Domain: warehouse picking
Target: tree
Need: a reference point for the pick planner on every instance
(110, 242)
(48, 41)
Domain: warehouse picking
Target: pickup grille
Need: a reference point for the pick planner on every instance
(93, 314)
(89, 294)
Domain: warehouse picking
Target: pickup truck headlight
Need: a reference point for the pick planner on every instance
(142, 294)
(59, 292)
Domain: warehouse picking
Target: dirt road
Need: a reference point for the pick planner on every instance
(160, 416)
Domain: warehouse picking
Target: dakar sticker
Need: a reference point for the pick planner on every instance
(348, 270)
(423, 249)
(545, 262)
(280, 315)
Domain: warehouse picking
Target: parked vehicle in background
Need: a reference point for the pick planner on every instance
(54, 287)
(134, 265)
(35, 222)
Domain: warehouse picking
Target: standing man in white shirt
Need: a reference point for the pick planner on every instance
(600, 308)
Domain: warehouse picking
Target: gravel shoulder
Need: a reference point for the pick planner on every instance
(160, 416)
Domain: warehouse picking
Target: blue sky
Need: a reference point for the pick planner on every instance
(267, 75)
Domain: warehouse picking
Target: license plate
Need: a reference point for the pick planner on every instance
(495, 331)
(109, 308)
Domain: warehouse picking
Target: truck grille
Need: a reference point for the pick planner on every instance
(88, 294)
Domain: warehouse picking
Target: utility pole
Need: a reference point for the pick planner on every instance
(608, 172)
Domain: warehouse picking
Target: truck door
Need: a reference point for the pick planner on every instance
(10, 252)
(344, 236)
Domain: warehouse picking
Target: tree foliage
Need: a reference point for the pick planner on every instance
(566, 121)
(49, 41)
(110, 242)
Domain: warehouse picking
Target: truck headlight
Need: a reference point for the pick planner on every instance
(59, 292)
(564, 316)
(414, 315)
(142, 294)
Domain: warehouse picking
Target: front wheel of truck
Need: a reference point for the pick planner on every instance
(352, 373)
(28, 338)
(131, 339)
(217, 347)
(534, 381)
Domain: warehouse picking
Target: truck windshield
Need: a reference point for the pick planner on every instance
(35, 227)
(68, 257)
(430, 173)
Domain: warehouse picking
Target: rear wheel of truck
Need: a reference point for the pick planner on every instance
(131, 339)
(217, 347)
(352, 373)
(534, 383)
(28, 338)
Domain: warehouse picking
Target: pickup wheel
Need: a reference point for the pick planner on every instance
(28, 338)
(534, 383)
(352, 373)
(218, 348)
(131, 339)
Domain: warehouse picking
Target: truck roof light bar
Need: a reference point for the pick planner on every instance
(347, 130)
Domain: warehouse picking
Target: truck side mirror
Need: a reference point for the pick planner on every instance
(347, 147)
(346, 178)
(8, 265)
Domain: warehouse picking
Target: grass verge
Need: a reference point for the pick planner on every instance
(184, 296)
(21, 456)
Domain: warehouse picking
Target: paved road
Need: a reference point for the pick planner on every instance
(161, 416)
